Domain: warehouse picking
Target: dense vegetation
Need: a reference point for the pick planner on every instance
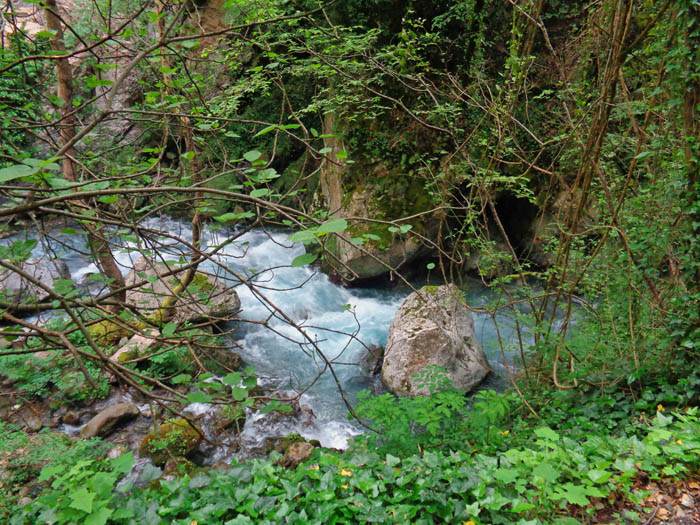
(548, 148)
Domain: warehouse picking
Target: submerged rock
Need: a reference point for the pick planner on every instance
(17, 288)
(107, 420)
(433, 327)
(172, 439)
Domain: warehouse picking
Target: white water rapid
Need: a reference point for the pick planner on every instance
(327, 314)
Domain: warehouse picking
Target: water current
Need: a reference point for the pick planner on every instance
(343, 322)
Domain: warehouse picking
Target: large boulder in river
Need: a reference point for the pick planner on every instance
(433, 327)
(206, 298)
(44, 270)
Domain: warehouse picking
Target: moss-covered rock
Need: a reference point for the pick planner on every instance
(172, 439)
(381, 195)
(107, 332)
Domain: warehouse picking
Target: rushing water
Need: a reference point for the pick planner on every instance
(342, 322)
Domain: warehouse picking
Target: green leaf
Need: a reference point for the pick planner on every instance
(15, 172)
(546, 433)
(304, 236)
(82, 500)
(169, 329)
(325, 151)
(599, 476)
(304, 259)
(575, 494)
(546, 472)
(334, 226)
(264, 131)
(506, 475)
(430, 266)
(232, 379)
(260, 192)
(198, 397)
(99, 517)
(392, 461)
(123, 463)
(239, 393)
(252, 156)
(234, 216)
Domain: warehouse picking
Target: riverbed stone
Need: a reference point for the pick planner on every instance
(212, 300)
(136, 346)
(108, 419)
(17, 288)
(433, 327)
(296, 454)
(171, 439)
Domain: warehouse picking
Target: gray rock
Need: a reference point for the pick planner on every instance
(44, 270)
(433, 327)
(107, 420)
(212, 300)
(33, 422)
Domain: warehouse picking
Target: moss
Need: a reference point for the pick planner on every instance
(106, 332)
(174, 438)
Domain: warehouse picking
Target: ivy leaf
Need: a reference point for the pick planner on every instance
(82, 500)
(304, 259)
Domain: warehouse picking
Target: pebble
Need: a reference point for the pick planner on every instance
(687, 501)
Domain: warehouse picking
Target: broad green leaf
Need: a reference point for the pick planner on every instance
(304, 259)
(199, 397)
(82, 499)
(546, 433)
(546, 472)
(123, 463)
(232, 379)
(260, 192)
(169, 329)
(252, 156)
(15, 172)
(304, 236)
(99, 517)
(599, 476)
(334, 226)
(239, 393)
(506, 475)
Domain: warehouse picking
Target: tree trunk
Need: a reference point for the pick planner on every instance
(99, 244)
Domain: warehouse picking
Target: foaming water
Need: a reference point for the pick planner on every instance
(300, 331)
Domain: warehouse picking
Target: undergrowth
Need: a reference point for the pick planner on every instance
(546, 481)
